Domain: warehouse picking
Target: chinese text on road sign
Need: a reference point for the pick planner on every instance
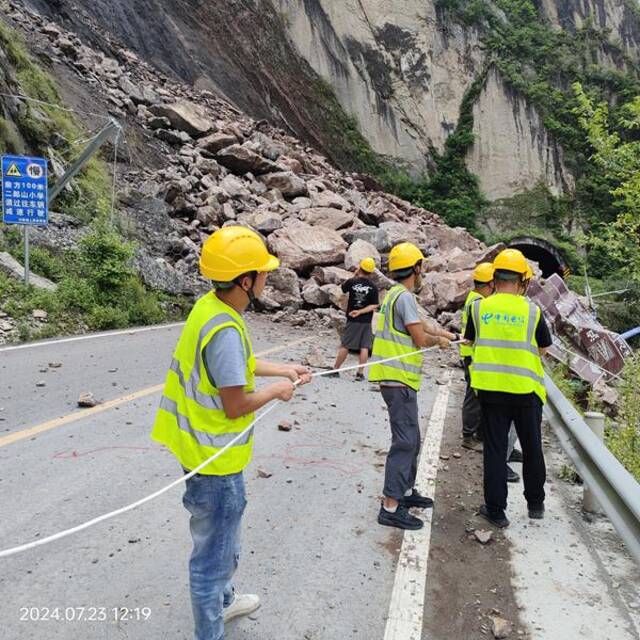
(24, 190)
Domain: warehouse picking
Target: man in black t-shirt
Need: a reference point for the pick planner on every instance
(363, 301)
(502, 368)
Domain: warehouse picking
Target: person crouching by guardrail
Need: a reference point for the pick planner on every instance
(400, 332)
(509, 336)
(209, 400)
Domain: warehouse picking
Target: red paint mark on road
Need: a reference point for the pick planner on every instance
(291, 455)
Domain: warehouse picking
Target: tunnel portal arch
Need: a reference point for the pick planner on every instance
(544, 253)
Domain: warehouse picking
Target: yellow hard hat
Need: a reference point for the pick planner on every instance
(368, 265)
(483, 272)
(403, 256)
(511, 260)
(232, 251)
(529, 274)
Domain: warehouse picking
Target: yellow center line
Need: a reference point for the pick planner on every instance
(87, 413)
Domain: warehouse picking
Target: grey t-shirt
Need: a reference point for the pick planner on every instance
(225, 359)
(405, 311)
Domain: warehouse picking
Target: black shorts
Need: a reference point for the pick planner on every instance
(357, 336)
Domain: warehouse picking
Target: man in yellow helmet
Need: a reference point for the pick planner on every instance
(509, 336)
(400, 332)
(513, 454)
(472, 421)
(209, 399)
(362, 302)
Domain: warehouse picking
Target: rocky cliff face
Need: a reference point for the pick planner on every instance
(513, 152)
(396, 66)
(400, 69)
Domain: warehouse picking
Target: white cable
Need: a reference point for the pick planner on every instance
(52, 104)
(112, 514)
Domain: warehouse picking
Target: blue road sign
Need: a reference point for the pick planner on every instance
(24, 190)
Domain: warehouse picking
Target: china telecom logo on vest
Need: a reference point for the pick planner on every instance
(503, 319)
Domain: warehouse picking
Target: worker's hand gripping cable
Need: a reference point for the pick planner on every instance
(182, 479)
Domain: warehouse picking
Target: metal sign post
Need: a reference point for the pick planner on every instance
(26, 255)
(25, 196)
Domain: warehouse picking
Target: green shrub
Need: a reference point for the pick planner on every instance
(103, 317)
(624, 442)
(77, 293)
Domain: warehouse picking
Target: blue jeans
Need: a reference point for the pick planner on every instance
(216, 504)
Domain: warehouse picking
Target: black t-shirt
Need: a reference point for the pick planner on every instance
(362, 293)
(543, 338)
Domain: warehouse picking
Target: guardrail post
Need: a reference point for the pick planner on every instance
(595, 421)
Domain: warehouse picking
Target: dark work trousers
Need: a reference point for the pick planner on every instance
(402, 459)
(527, 420)
(472, 416)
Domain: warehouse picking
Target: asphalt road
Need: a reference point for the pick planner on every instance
(312, 549)
(311, 546)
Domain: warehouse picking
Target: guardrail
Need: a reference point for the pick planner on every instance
(615, 489)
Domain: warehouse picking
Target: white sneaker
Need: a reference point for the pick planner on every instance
(243, 604)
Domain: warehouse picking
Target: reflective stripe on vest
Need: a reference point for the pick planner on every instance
(389, 343)
(506, 356)
(203, 437)
(191, 421)
(466, 351)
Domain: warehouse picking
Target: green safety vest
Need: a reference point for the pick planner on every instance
(390, 342)
(467, 350)
(191, 421)
(505, 351)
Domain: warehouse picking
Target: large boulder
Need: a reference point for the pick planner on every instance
(288, 183)
(216, 142)
(184, 116)
(330, 275)
(241, 160)
(337, 297)
(404, 232)
(452, 260)
(265, 222)
(444, 238)
(445, 291)
(301, 246)
(330, 200)
(381, 210)
(458, 259)
(314, 295)
(283, 287)
(357, 252)
(325, 217)
(10, 266)
(379, 238)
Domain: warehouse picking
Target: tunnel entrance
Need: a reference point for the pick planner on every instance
(544, 253)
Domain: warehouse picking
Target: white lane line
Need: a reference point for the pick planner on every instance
(407, 598)
(91, 336)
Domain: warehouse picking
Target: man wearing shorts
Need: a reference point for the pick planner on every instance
(363, 301)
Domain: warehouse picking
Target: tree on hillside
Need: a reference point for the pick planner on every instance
(617, 152)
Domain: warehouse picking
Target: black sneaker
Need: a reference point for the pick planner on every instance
(418, 501)
(400, 519)
(512, 476)
(516, 456)
(333, 374)
(359, 377)
(469, 442)
(536, 512)
(499, 519)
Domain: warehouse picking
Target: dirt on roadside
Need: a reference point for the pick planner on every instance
(468, 582)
